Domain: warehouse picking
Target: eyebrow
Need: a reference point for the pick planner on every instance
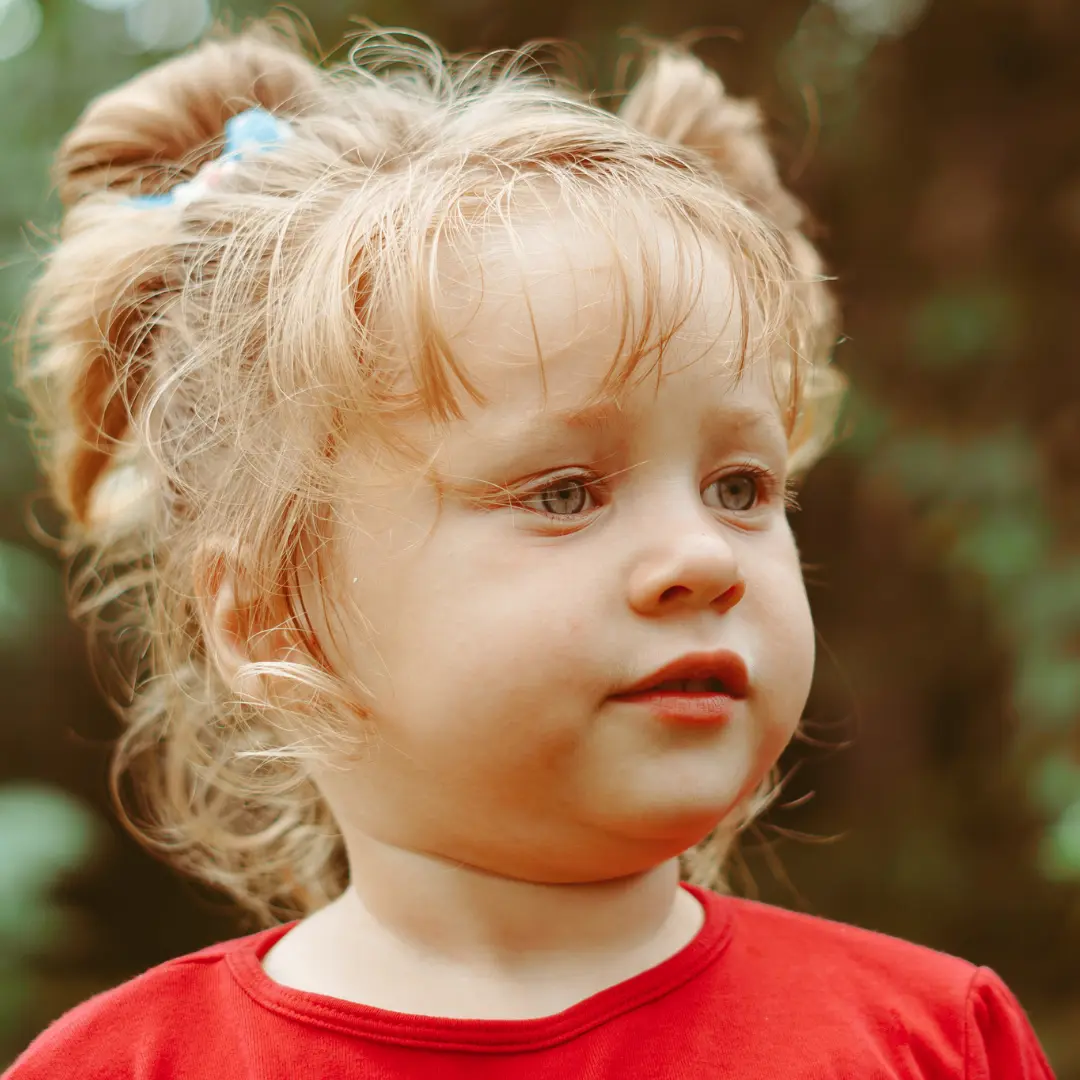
(599, 416)
(596, 416)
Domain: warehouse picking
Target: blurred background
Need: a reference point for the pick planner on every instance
(936, 792)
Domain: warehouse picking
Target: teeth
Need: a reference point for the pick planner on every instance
(691, 686)
(699, 685)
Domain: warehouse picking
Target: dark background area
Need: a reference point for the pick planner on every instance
(936, 792)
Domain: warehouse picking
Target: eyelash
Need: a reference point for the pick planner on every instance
(768, 487)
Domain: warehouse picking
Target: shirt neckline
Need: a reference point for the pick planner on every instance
(482, 1036)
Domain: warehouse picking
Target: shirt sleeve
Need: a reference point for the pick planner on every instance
(999, 1043)
(57, 1054)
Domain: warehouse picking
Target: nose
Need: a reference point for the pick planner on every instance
(695, 569)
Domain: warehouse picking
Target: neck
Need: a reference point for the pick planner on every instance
(419, 935)
(467, 916)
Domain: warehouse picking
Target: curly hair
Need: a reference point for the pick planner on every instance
(193, 367)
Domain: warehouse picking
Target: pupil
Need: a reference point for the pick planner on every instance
(567, 499)
(739, 493)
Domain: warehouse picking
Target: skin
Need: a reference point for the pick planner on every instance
(491, 632)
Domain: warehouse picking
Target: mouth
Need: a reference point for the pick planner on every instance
(689, 686)
(699, 688)
(720, 672)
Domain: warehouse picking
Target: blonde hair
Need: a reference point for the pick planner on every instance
(193, 367)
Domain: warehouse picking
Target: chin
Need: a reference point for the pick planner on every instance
(674, 827)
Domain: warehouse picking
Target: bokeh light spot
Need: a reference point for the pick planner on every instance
(20, 24)
(161, 25)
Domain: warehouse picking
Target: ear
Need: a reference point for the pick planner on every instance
(233, 630)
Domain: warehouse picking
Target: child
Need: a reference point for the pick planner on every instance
(426, 432)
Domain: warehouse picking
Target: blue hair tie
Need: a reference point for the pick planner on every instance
(253, 131)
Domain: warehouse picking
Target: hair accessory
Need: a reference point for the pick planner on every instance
(253, 131)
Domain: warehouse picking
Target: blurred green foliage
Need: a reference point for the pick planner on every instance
(965, 324)
(934, 140)
(44, 834)
(30, 598)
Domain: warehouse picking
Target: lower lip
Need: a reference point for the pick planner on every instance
(685, 707)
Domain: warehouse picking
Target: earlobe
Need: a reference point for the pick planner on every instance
(225, 617)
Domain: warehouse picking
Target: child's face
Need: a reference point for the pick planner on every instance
(493, 637)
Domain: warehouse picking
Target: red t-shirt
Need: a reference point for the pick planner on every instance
(759, 994)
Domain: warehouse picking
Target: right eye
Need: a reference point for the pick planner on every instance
(566, 496)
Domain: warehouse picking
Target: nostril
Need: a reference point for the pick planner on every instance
(673, 593)
(730, 597)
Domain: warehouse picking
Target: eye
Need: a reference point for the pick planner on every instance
(566, 496)
(738, 492)
(742, 491)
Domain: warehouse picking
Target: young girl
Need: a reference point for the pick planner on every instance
(425, 433)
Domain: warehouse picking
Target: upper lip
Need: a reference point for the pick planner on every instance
(725, 667)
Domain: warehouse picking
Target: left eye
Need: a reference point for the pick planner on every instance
(564, 498)
(739, 492)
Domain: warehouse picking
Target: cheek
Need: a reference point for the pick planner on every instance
(491, 705)
(798, 672)
(500, 647)
(468, 638)
(783, 629)
(788, 640)
(478, 594)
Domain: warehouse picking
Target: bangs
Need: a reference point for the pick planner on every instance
(658, 252)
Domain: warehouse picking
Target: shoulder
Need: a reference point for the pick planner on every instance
(142, 1028)
(937, 1007)
(852, 953)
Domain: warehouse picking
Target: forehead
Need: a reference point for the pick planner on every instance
(559, 304)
